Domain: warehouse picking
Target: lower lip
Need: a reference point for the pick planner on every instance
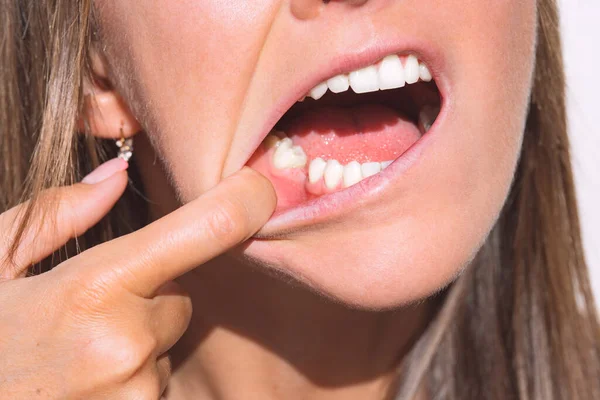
(339, 204)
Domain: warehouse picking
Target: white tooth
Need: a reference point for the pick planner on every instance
(370, 169)
(283, 154)
(411, 69)
(427, 116)
(365, 80)
(385, 164)
(333, 174)
(424, 73)
(352, 173)
(318, 91)
(391, 73)
(299, 159)
(288, 156)
(316, 169)
(338, 84)
(286, 142)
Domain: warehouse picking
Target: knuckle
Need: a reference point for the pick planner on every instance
(121, 356)
(227, 223)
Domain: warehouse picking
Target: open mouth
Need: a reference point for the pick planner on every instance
(348, 129)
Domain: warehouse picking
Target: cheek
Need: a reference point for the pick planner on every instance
(186, 65)
(493, 70)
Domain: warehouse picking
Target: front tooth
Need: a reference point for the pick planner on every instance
(333, 174)
(288, 156)
(385, 164)
(370, 169)
(365, 80)
(352, 174)
(427, 116)
(411, 69)
(391, 73)
(424, 73)
(316, 169)
(338, 84)
(318, 91)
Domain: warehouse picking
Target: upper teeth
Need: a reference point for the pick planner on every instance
(389, 73)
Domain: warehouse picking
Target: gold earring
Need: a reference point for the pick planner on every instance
(125, 147)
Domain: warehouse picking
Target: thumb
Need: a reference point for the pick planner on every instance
(60, 214)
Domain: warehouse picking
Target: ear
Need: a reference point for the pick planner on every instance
(104, 112)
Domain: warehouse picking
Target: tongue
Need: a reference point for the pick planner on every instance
(362, 133)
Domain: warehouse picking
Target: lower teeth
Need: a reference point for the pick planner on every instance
(331, 172)
(288, 156)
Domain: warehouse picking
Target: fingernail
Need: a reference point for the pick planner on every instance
(105, 171)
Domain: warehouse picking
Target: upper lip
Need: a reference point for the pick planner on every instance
(366, 55)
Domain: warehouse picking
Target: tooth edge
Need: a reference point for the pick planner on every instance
(316, 169)
(352, 174)
(391, 73)
(364, 80)
(385, 164)
(318, 91)
(339, 83)
(424, 73)
(333, 174)
(411, 69)
(369, 169)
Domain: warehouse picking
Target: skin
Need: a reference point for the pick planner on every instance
(198, 79)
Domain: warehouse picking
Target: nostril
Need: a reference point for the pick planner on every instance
(350, 2)
(309, 9)
(306, 9)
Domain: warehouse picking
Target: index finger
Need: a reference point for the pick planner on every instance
(222, 218)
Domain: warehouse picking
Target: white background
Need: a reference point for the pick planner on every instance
(581, 35)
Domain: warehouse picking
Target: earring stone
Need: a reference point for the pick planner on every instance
(125, 148)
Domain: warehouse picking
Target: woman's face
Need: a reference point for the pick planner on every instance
(208, 80)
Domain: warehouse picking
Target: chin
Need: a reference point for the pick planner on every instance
(369, 260)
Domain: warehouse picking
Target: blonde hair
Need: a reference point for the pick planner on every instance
(519, 323)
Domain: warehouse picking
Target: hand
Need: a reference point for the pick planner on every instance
(100, 324)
